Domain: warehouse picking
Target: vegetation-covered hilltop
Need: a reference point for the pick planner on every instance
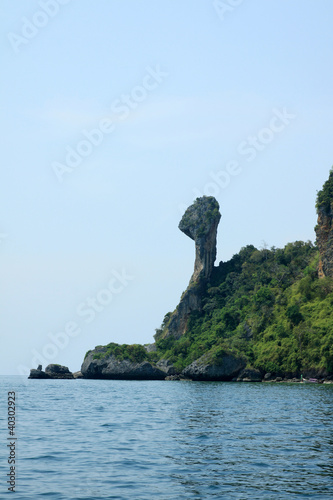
(268, 306)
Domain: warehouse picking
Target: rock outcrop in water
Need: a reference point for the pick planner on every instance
(51, 371)
(58, 371)
(241, 330)
(199, 222)
(324, 228)
(99, 364)
(204, 368)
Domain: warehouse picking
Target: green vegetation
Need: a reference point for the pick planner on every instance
(325, 196)
(135, 352)
(265, 305)
(208, 209)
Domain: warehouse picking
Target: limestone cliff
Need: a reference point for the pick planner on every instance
(324, 228)
(101, 364)
(199, 223)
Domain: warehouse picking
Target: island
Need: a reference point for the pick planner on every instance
(264, 315)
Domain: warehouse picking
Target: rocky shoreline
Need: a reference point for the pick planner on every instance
(220, 362)
(110, 368)
(54, 371)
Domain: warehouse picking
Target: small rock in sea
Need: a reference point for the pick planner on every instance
(58, 371)
(51, 371)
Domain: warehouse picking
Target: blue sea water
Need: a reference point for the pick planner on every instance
(104, 439)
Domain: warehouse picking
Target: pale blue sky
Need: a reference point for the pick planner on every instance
(223, 82)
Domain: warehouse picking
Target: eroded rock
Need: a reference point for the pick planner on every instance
(249, 375)
(38, 374)
(99, 365)
(166, 366)
(324, 228)
(199, 222)
(58, 371)
(226, 368)
(51, 371)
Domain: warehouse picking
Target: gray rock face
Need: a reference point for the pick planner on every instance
(324, 228)
(112, 368)
(58, 371)
(324, 237)
(150, 347)
(51, 371)
(250, 375)
(190, 301)
(166, 366)
(38, 374)
(203, 369)
(199, 223)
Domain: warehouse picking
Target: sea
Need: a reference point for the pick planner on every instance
(117, 439)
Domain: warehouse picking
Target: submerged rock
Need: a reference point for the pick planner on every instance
(177, 377)
(99, 365)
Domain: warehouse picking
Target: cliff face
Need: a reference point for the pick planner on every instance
(98, 363)
(324, 228)
(199, 223)
(324, 233)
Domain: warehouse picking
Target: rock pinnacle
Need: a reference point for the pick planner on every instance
(199, 223)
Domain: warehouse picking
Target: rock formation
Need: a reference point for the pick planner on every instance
(51, 371)
(199, 223)
(204, 368)
(99, 365)
(324, 228)
(325, 243)
(58, 371)
(38, 374)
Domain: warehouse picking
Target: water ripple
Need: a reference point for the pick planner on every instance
(90, 439)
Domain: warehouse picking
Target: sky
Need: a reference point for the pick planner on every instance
(116, 116)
